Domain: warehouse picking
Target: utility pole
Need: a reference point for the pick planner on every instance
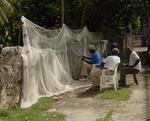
(149, 34)
(62, 12)
(83, 15)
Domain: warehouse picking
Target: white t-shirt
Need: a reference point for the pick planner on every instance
(111, 62)
(133, 57)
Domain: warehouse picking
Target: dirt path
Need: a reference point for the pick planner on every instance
(85, 105)
(134, 108)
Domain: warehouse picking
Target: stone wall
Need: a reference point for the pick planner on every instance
(10, 80)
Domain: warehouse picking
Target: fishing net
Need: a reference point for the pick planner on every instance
(51, 64)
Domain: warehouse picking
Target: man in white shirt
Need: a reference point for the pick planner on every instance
(133, 67)
(110, 62)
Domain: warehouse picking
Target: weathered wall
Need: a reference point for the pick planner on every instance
(10, 80)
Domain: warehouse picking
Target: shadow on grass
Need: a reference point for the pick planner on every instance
(88, 93)
(107, 93)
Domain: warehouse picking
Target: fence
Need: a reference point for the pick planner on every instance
(136, 40)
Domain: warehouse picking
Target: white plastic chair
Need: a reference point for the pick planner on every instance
(94, 67)
(112, 77)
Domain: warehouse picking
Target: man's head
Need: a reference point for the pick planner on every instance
(92, 48)
(113, 45)
(128, 50)
(115, 51)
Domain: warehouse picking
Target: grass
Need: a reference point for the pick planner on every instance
(107, 116)
(148, 120)
(35, 113)
(122, 94)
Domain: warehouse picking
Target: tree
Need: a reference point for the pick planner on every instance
(9, 28)
(97, 15)
(5, 10)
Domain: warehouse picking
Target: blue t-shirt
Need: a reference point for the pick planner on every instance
(96, 58)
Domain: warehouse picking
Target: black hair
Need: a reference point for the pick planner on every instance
(92, 50)
(115, 51)
(113, 45)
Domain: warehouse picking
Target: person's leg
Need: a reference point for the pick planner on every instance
(123, 76)
(135, 79)
(84, 70)
(95, 77)
(124, 71)
(134, 76)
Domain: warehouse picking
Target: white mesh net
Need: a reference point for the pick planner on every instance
(51, 63)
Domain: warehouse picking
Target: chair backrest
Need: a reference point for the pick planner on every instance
(114, 72)
(116, 68)
(94, 67)
(105, 76)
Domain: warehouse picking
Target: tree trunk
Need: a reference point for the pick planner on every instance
(83, 15)
(149, 34)
(62, 12)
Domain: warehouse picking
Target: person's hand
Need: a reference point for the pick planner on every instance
(125, 64)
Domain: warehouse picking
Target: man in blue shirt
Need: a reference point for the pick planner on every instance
(88, 63)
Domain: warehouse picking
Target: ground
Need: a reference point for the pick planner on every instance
(85, 105)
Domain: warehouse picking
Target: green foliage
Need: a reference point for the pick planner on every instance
(5, 11)
(35, 113)
(148, 120)
(9, 32)
(137, 24)
(97, 15)
(121, 94)
(107, 116)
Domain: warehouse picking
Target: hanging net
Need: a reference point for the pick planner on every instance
(51, 64)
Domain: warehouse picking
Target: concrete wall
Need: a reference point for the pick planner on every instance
(10, 80)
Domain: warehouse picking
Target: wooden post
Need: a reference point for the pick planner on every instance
(148, 33)
(20, 32)
(62, 12)
(83, 15)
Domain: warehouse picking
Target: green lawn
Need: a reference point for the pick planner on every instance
(35, 113)
(121, 94)
(148, 120)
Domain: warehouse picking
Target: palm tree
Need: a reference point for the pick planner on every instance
(5, 10)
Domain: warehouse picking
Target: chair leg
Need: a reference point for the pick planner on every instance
(135, 79)
(115, 84)
(101, 83)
